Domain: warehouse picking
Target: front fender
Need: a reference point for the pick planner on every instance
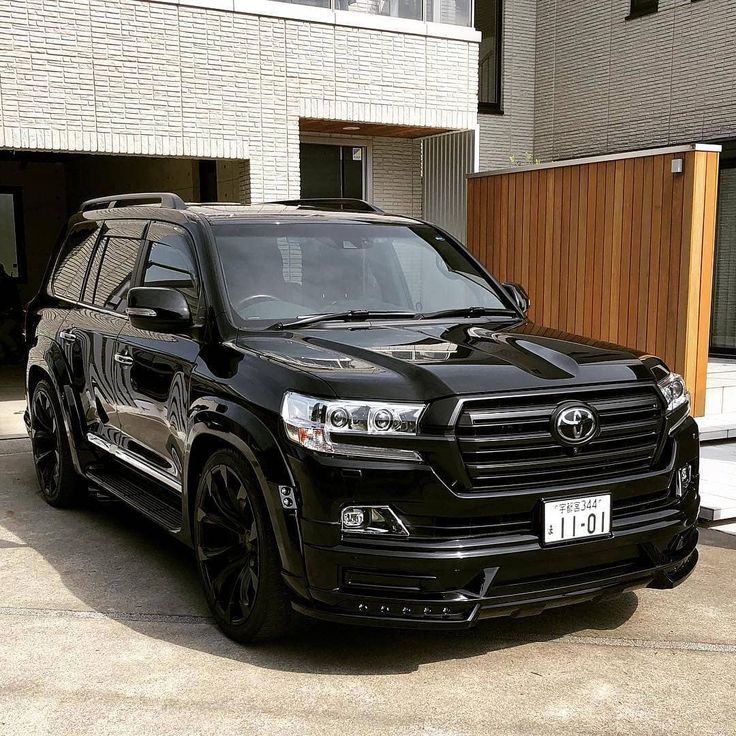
(233, 424)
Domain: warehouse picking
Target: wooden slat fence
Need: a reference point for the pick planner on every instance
(619, 249)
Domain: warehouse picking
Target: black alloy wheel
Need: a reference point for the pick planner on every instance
(236, 552)
(60, 485)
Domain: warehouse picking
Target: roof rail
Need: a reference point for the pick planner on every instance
(335, 203)
(162, 199)
(214, 204)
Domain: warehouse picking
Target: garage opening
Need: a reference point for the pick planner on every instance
(39, 191)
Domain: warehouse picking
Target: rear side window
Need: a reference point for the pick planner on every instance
(66, 280)
(116, 272)
(170, 262)
(117, 253)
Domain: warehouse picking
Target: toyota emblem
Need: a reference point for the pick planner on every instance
(574, 424)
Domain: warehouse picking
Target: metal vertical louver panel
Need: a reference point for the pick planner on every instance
(447, 159)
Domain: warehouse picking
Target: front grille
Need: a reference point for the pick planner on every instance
(506, 440)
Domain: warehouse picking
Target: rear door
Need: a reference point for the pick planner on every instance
(91, 328)
(153, 395)
(65, 283)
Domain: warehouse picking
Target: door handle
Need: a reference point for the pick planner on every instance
(68, 336)
(123, 359)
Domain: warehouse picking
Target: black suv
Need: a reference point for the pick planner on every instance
(348, 418)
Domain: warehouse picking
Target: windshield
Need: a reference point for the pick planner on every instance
(286, 271)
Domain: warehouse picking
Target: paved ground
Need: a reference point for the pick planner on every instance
(103, 631)
(12, 402)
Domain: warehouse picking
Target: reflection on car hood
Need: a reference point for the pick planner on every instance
(423, 360)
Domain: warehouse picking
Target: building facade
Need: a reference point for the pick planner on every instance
(632, 74)
(246, 100)
(393, 101)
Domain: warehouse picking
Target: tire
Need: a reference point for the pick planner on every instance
(58, 480)
(236, 551)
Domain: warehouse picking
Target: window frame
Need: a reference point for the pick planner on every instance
(20, 232)
(61, 251)
(494, 108)
(145, 251)
(103, 238)
(641, 12)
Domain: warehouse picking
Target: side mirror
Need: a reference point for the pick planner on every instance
(518, 293)
(158, 309)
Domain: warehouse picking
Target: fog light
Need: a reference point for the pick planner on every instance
(683, 480)
(372, 520)
(353, 518)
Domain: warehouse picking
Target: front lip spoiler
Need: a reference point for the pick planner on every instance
(662, 577)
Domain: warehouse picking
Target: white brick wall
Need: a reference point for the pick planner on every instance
(397, 180)
(159, 78)
(512, 133)
(607, 84)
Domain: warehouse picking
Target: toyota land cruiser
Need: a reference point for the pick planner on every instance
(348, 418)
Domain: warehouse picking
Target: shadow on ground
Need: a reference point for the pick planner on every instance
(113, 562)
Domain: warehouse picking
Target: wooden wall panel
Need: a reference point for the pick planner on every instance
(620, 250)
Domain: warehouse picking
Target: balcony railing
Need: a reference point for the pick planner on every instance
(454, 12)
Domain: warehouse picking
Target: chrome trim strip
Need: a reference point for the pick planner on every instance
(134, 462)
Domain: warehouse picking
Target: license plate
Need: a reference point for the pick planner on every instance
(570, 519)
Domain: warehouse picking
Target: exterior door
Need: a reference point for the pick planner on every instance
(91, 327)
(332, 171)
(153, 392)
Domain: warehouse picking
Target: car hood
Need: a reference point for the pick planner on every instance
(425, 361)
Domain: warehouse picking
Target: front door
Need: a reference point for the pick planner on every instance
(332, 171)
(153, 393)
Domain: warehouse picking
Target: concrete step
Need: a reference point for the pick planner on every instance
(717, 427)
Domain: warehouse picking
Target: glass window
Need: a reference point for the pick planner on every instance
(313, 3)
(644, 7)
(488, 20)
(331, 171)
(394, 8)
(290, 270)
(116, 271)
(66, 281)
(170, 263)
(455, 12)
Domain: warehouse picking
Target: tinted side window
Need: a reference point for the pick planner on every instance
(66, 281)
(116, 272)
(170, 262)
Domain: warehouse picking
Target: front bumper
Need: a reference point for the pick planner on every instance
(453, 582)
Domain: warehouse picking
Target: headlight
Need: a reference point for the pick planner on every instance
(319, 424)
(674, 391)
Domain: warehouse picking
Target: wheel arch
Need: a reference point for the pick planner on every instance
(46, 362)
(220, 424)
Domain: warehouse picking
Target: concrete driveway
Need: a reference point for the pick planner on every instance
(103, 631)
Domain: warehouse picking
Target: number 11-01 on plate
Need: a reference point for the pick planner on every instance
(571, 519)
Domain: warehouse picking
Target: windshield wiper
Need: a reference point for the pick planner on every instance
(352, 315)
(466, 312)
